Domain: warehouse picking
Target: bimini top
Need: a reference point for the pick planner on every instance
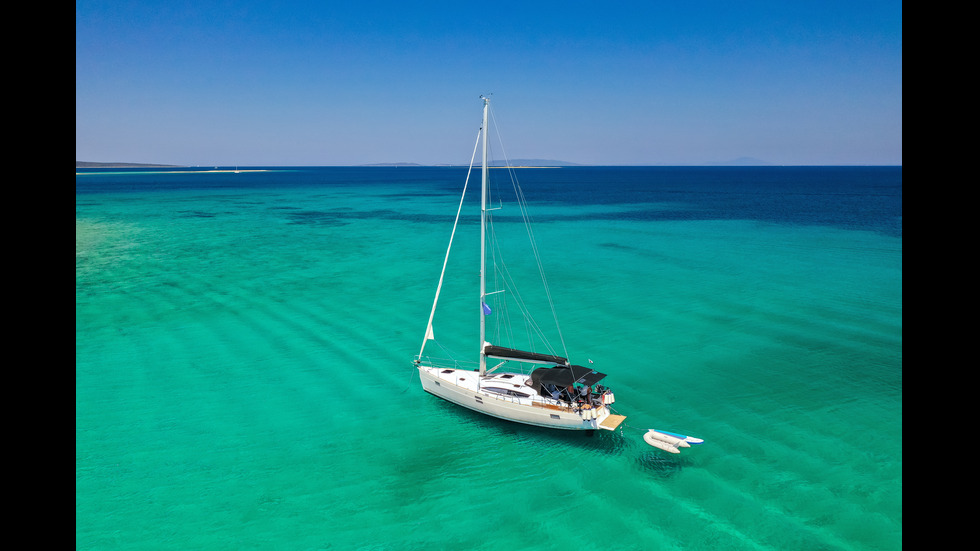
(565, 376)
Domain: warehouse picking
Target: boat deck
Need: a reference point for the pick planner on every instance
(514, 388)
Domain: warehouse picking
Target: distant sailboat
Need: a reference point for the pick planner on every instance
(554, 393)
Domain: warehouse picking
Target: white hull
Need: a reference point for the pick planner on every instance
(487, 396)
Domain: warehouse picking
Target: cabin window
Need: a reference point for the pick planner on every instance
(553, 416)
(506, 392)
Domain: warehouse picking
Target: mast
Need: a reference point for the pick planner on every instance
(483, 241)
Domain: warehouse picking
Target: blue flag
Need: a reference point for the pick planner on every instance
(486, 309)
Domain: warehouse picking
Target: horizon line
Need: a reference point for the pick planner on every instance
(560, 164)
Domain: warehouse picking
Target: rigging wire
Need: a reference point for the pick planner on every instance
(525, 215)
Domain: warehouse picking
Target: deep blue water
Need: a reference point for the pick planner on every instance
(855, 198)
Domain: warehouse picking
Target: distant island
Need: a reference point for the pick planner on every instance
(533, 162)
(512, 162)
(741, 161)
(87, 164)
(392, 164)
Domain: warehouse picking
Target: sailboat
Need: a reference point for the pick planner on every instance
(533, 387)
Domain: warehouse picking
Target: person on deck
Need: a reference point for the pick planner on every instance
(553, 391)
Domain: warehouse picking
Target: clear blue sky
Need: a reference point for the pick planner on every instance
(335, 82)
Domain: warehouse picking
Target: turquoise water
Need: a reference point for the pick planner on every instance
(244, 378)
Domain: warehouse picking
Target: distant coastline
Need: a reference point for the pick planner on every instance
(515, 163)
(88, 164)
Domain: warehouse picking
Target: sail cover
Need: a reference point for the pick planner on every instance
(564, 376)
(522, 356)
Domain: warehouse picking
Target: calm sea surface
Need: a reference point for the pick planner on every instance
(243, 349)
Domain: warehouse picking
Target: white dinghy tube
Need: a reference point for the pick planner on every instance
(669, 441)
